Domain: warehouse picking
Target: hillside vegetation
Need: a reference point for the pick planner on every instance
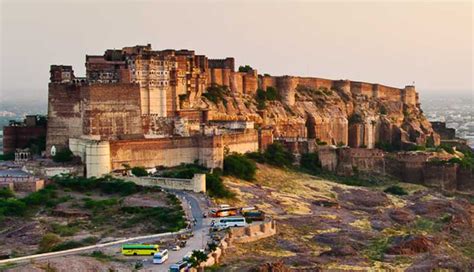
(327, 225)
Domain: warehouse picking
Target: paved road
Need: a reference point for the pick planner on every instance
(198, 241)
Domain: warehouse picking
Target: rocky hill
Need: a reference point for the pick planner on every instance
(335, 112)
(323, 225)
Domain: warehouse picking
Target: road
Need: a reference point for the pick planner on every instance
(198, 241)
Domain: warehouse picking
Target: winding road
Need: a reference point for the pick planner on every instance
(195, 203)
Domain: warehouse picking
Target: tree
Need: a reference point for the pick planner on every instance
(271, 94)
(197, 258)
(239, 166)
(245, 69)
(63, 155)
(139, 171)
(277, 155)
(310, 162)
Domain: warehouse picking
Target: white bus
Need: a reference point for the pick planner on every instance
(227, 222)
(160, 257)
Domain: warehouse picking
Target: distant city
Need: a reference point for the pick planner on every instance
(456, 111)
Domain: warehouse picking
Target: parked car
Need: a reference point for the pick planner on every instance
(176, 248)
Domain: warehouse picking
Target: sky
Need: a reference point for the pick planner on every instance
(392, 43)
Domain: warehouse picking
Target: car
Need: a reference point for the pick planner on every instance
(176, 248)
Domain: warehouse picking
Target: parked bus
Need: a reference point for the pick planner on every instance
(254, 215)
(139, 249)
(227, 222)
(179, 267)
(224, 212)
(160, 257)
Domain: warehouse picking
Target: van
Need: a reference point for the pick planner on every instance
(160, 257)
(179, 267)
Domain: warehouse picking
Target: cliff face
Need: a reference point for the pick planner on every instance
(336, 112)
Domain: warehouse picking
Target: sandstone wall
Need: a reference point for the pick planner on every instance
(241, 142)
(64, 115)
(111, 110)
(154, 152)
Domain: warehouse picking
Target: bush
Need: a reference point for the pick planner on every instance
(395, 190)
(64, 230)
(185, 171)
(276, 154)
(215, 94)
(271, 94)
(48, 242)
(256, 156)
(215, 187)
(44, 196)
(383, 110)
(12, 207)
(6, 193)
(386, 146)
(7, 156)
(239, 166)
(245, 69)
(63, 155)
(310, 162)
(105, 184)
(139, 171)
(197, 258)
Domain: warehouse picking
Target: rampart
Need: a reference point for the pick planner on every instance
(287, 86)
(247, 234)
(196, 184)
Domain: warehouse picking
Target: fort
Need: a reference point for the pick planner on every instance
(142, 107)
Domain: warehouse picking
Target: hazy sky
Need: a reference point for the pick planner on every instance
(393, 43)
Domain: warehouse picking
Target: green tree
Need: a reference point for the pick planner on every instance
(245, 69)
(48, 242)
(239, 166)
(197, 258)
(277, 155)
(63, 155)
(6, 193)
(310, 162)
(271, 94)
(139, 171)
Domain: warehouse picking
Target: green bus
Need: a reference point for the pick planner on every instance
(139, 249)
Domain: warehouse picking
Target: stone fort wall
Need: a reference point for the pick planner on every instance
(287, 85)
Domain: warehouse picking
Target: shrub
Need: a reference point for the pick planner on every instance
(215, 187)
(271, 94)
(240, 167)
(100, 204)
(48, 242)
(215, 94)
(64, 230)
(310, 162)
(256, 156)
(386, 146)
(383, 110)
(12, 207)
(276, 154)
(7, 156)
(44, 196)
(139, 171)
(63, 155)
(245, 69)
(197, 258)
(6, 193)
(319, 142)
(185, 171)
(395, 190)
